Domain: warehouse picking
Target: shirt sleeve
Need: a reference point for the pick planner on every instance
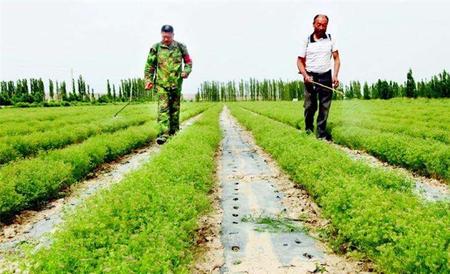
(187, 59)
(302, 52)
(150, 65)
(333, 45)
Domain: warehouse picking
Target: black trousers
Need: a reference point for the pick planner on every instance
(314, 92)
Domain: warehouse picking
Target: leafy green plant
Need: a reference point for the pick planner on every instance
(146, 223)
(411, 134)
(370, 209)
(31, 181)
(273, 224)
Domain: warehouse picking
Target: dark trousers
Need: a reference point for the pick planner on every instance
(312, 92)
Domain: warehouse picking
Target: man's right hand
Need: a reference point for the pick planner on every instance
(307, 78)
(149, 86)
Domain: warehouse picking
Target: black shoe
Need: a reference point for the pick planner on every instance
(309, 132)
(324, 136)
(161, 140)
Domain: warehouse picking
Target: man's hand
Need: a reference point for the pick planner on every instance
(184, 75)
(337, 65)
(148, 85)
(335, 82)
(307, 78)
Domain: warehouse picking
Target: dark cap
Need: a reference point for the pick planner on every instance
(167, 28)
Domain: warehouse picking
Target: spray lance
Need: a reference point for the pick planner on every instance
(129, 101)
(327, 87)
(131, 97)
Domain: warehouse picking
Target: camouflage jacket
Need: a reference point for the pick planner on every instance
(167, 61)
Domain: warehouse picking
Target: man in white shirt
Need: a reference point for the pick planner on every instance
(314, 63)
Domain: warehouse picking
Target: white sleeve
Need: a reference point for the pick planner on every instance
(302, 52)
(333, 45)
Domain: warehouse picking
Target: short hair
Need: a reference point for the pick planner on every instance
(167, 28)
(315, 17)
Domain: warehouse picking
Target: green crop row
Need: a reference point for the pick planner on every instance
(426, 156)
(361, 114)
(423, 110)
(405, 127)
(13, 147)
(370, 209)
(28, 182)
(415, 118)
(146, 223)
(94, 114)
(399, 108)
(17, 115)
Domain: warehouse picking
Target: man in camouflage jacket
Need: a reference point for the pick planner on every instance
(164, 72)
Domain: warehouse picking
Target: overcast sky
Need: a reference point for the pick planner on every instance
(226, 39)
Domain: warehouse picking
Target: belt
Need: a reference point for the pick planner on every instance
(318, 73)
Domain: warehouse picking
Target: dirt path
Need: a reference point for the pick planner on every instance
(35, 226)
(260, 227)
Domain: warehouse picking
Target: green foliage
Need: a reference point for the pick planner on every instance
(146, 223)
(251, 90)
(275, 90)
(27, 182)
(414, 134)
(31, 93)
(28, 145)
(274, 224)
(371, 209)
(26, 177)
(366, 91)
(410, 90)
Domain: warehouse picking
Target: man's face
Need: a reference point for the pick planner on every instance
(320, 25)
(167, 37)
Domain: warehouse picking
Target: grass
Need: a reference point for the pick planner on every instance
(273, 224)
(146, 223)
(371, 210)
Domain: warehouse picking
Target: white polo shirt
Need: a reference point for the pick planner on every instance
(318, 53)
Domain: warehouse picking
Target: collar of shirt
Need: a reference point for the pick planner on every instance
(311, 37)
(171, 46)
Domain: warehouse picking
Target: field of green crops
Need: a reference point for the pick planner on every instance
(371, 210)
(147, 223)
(57, 147)
(414, 134)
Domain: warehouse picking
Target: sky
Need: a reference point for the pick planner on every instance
(227, 40)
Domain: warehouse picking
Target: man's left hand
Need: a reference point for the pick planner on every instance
(184, 75)
(335, 82)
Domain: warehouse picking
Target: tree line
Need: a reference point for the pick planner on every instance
(32, 92)
(249, 90)
(270, 90)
